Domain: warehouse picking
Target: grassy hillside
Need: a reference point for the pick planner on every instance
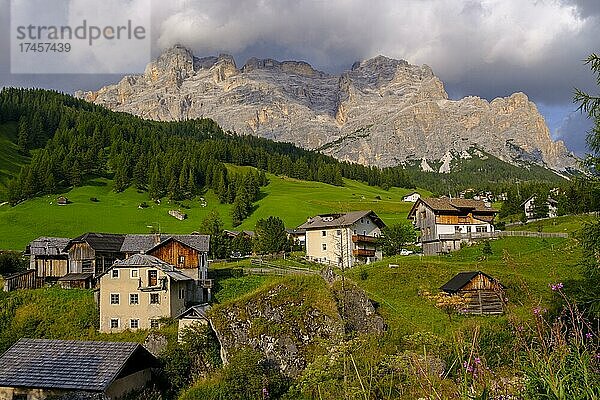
(290, 199)
(10, 158)
(565, 223)
(526, 266)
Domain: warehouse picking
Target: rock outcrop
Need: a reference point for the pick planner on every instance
(293, 320)
(286, 322)
(380, 112)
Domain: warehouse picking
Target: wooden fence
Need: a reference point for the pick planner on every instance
(261, 267)
(497, 234)
(23, 280)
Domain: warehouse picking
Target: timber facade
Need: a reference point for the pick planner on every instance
(48, 258)
(445, 224)
(481, 294)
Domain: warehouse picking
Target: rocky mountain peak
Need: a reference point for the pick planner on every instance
(301, 68)
(378, 63)
(381, 112)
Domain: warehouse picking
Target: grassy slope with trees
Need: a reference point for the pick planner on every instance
(290, 199)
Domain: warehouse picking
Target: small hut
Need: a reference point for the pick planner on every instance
(178, 214)
(482, 294)
(62, 201)
(195, 315)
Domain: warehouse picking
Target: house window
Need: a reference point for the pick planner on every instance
(152, 277)
(134, 298)
(135, 274)
(457, 229)
(134, 323)
(468, 229)
(323, 233)
(181, 293)
(114, 323)
(154, 298)
(114, 298)
(362, 221)
(481, 229)
(154, 323)
(115, 273)
(338, 232)
(181, 260)
(368, 221)
(324, 245)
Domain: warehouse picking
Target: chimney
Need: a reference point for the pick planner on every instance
(156, 238)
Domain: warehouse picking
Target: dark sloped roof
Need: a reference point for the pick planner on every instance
(146, 260)
(340, 220)
(143, 243)
(69, 364)
(198, 311)
(461, 279)
(47, 246)
(111, 242)
(451, 205)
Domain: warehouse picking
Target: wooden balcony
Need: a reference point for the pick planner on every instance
(363, 252)
(363, 239)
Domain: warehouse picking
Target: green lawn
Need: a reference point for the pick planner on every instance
(524, 265)
(566, 223)
(290, 199)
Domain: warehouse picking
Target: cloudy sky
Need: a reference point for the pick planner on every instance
(486, 48)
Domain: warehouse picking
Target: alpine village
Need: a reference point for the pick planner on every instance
(198, 232)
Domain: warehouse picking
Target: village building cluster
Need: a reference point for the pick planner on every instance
(140, 279)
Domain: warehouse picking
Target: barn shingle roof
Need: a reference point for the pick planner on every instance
(110, 242)
(461, 279)
(47, 246)
(454, 206)
(144, 243)
(70, 364)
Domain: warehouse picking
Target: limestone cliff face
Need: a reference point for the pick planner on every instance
(380, 112)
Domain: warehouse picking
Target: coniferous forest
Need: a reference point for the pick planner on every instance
(69, 139)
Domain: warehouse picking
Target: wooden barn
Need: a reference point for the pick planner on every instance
(48, 258)
(94, 253)
(187, 253)
(482, 294)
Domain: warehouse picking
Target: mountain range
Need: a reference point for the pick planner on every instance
(382, 111)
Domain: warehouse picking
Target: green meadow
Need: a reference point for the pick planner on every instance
(290, 199)
(526, 266)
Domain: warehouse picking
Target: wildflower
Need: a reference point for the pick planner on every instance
(588, 335)
(556, 286)
(537, 310)
(477, 360)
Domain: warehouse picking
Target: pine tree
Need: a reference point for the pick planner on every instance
(270, 236)
(23, 140)
(155, 186)
(213, 225)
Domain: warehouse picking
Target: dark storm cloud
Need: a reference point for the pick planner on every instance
(487, 48)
